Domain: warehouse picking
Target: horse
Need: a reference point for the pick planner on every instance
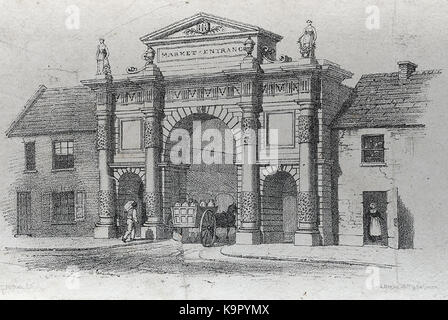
(227, 219)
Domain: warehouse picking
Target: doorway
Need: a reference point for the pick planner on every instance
(23, 213)
(279, 216)
(375, 228)
(130, 187)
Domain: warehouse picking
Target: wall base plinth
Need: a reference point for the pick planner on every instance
(351, 240)
(307, 238)
(104, 231)
(153, 232)
(248, 237)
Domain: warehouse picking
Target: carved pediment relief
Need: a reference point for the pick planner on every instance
(203, 28)
(204, 25)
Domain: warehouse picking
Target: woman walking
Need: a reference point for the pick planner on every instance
(131, 220)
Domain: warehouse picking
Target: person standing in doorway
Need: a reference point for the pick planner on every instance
(374, 223)
(131, 220)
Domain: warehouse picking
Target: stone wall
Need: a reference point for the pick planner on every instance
(402, 148)
(334, 94)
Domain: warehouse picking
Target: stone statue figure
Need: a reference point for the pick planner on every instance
(102, 59)
(307, 41)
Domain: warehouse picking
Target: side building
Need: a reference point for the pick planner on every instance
(57, 192)
(378, 139)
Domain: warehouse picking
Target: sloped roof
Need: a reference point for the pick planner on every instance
(56, 110)
(383, 100)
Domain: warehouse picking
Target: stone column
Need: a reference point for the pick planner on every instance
(153, 227)
(105, 228)
(307, 232)
(249, 229)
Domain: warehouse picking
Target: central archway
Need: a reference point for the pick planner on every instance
(201, 181)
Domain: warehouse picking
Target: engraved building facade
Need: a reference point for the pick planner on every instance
(111, 140)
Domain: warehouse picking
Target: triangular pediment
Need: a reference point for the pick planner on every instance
(204, 25)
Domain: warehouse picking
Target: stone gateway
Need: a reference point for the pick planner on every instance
(111, 139)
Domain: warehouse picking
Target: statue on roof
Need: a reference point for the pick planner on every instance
(307, 41)
(102, 59)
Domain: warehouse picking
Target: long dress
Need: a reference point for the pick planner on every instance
(306, 41)
(375, 226)
(102, 59)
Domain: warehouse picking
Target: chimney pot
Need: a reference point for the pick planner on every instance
(405, 69)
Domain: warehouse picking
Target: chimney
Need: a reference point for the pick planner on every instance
(405, 69)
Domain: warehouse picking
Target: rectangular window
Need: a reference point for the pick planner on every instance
(30, 156)
(63, 207)
(63, 154)
(372, 149)
(281, 128)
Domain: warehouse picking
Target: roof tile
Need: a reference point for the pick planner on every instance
(382, 99)
(57, 110)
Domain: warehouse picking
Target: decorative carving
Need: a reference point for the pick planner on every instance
(307, 206)
(102, 59)
(285, 58)
(152, 202)
(280, 88)
(102, 141)
(204, 93)
(268, 54)
(307, 41)
(305, 129)
(106, 203)
(249, 127)
(151, 133)
(203, 28)
(249, 206)
(148, 56)
(270, 88)
(249, 46)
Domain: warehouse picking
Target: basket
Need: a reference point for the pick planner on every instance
(184, 216)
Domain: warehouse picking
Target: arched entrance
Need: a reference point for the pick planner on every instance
(130, 187)
(207, 171)
(279, 208)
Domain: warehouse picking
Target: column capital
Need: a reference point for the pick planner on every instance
(103, 111)
(152, 112)
(250, 107)
(306, 104)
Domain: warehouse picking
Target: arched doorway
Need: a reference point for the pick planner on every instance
(130, 187)
(197, 177)
(279, 208)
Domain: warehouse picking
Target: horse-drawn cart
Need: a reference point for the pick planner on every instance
(196, 216)
(204, 217)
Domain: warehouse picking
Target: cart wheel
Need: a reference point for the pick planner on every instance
(208, 228)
